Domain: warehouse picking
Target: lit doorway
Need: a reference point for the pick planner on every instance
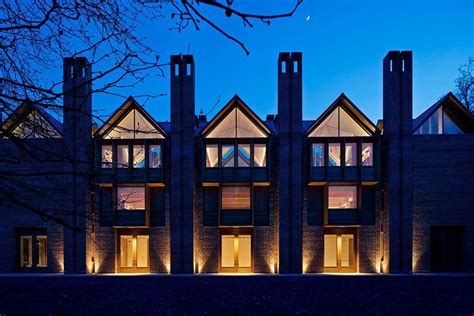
(236, 253)
(133, 253)
(340, 252)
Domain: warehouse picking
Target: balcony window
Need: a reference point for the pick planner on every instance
(317, 155)
(342, 197)
(107, 155)
(260, 155)
(334, 155)
(154, 154)
(138, 156)
(212, 155)
(236, 198)
(243, 157)
(367, 154)
(131, 198)
(351, 154)
(228, 156)
(122, 156)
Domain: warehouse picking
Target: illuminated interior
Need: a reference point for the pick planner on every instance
(131, 198)
(342, 197)
(339, 253)
(235, 197)
(367, 154)
(133, 126)
(236, 125)
(236, 253)
(338, 124)
(134, 253)
(35, 126)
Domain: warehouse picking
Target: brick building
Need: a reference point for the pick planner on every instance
(238, 193)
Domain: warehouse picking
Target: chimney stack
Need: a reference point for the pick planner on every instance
(182, 163)
(290, 87)
(397, 137)
(77, 90)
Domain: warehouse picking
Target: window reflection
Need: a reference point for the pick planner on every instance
(131, 198)
(334, 155)
(138, 156)
(342, 197)
(243, 157)
(351, 154)
(106, 156)
(317, 155)
(154, 156)
(367, 154)
(260, 155)
(228, 156)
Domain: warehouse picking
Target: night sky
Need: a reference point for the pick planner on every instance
(343, 44)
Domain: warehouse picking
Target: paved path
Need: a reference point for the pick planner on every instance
(241, 295)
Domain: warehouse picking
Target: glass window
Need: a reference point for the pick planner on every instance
(260, 155)
(131, 198)
(235, 197)
(342, 197)
(349, 127)
(134, 125)
(154, 152)
(142, 251)
(236, 125)
(106, 156)
(138, 156)
(228, 156)
(243, 158)
(122, 156)
(26, 251)
(338, 123)
(449, 126)
(351, 154)
(330, 251)
(126, 251)
(334, 155)
(347, 251)
(212, 155)
(367, 154)
(317, 155)
(42, 245)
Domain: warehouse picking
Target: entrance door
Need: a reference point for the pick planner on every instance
(236, 253)
(446, 246)
(134, 254)
(339, 253)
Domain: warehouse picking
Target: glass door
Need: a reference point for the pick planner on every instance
(236, 253)
(339, 253)
(134, 254)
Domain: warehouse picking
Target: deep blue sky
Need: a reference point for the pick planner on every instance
(343, 44)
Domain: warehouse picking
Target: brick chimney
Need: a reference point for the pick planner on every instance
(77, 90)
(182, 163)
(398, 173)
(289, 122)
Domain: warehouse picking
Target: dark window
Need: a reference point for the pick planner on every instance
(261, 206)
(157, 206)
(210, 207)
(447, 248)
(367, 212)
(315, 205)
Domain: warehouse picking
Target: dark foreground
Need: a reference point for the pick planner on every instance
(310, 294)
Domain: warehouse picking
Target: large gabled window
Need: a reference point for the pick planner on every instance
(134, 125)
(338, 124)
(236, 125)
(439, 122)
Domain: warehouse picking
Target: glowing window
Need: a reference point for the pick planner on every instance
(106, 156)
(439, 123)
(243, 158)
(338, 123)
(317, 155)
(367, 154)
(334, 155)
(342, 197)
(212, 155)
(138, 156)
(26, 251)
(134, 125)
(236, 198)
(260, 155)
(131, 198)
(351, 154)
(42, 248)
(228, 156)
(122, 156)
(154, 156)
(236, 125)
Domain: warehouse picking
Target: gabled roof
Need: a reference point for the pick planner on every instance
(120, 114)
(21, 113)
(352, 110)
(451, 104)
(236, 102)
